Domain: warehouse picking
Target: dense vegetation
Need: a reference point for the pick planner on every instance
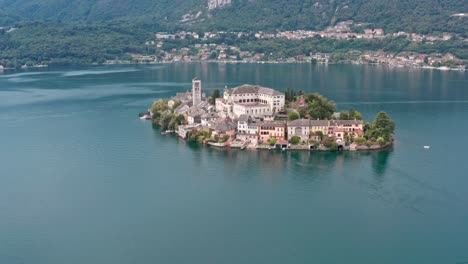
(93, 31)
(424, 16)
(381, 130)
(204, 136)
(164, 117)
(346, 49)
(34, 43)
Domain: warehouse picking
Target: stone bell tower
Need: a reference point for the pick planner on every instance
(196, 91)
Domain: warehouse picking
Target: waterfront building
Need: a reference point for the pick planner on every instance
(247, 128)
(272, 130)
(319, 126)
(300, 128)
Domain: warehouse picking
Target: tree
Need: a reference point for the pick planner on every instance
(216, 94)
(344, 115)
(293, 116)
(295, 140)
(272, 141)
(360, 141)
(351, 115)
(319, 107)
(289, 94)
(176, 104)
(354, 115)
(329, 143)
(213, 55)
(382, 127)
(319, 134)
(159, 106)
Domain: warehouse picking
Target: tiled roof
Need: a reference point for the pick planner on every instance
(319, 122)
(347, 122)
(253, 89)
(243, 118)
(199, 112)
(273, 123)
(210, 115)
(300, 122)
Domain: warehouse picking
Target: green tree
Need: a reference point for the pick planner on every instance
(319, 107)
(272, 141)
(216, 94)
(159, 106)
(329, 143)
(293, 116)
(295, 140)
(344, 115)
(360, 141)
(382, 127)
(354, 115)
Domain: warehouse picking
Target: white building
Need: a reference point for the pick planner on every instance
(248, 125)
(250, 100)
(247, 128)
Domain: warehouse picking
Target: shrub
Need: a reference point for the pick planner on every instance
(293, 116)
(360, 141)
(272, 142)
(381, 141)
(329, 143)
(295, 140)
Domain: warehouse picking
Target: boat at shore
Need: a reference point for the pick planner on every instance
(145, 115)
(167, 132)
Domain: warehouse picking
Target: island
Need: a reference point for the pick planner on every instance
(257, 117)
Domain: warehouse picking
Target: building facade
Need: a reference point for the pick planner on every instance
(272, 130)
(250, 100)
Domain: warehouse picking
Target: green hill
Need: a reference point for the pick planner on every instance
(424, 16)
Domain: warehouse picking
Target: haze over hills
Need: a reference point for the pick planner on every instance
(422, 16)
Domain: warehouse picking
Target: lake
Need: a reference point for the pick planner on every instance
(83, 180)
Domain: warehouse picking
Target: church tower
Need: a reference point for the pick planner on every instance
(196, 91)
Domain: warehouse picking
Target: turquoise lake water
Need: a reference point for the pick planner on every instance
(83, 180)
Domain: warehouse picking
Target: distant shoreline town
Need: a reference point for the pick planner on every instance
(347, 42)
(257, 117)
(224, 46)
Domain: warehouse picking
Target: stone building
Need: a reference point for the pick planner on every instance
(250, 100)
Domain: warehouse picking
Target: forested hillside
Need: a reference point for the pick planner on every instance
(93, 31)
(422, 16)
